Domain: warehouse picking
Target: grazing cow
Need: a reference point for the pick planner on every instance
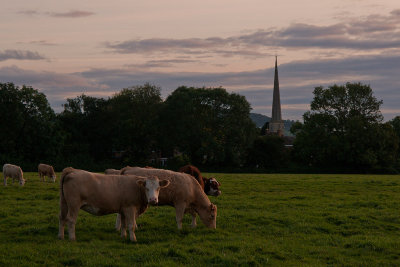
(46, 170)
(101, 194)
(209, 185)
(13, 172)
(112, 171)
(184, 193)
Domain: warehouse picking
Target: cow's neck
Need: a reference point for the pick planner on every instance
(202, 201)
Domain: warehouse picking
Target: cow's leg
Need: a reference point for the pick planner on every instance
(136, 216)
(132, 227)
(62, 217)
(193, 213)
(5, 180)
(118, 222)
(123, 225)
(73, 209)
(139, 211)
(130, 219)
(179, 212)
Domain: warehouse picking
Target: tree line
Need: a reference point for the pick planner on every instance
(208, 127)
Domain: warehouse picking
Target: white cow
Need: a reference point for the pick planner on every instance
(13, 172)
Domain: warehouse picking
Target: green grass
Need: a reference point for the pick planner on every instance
(263, 219)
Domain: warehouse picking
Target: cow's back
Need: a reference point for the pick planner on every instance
(193, 171)
(12, 171)
(182, 186)
(112, 171)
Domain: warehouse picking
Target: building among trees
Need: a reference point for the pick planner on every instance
(276, 125)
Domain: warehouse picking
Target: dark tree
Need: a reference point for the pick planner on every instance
(209, 125)
(135, 113)
(29, 130)
(344, 130)
(97, 128)
(268, 151)
(396, 126)
(85, 122)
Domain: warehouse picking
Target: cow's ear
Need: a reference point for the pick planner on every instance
(212, 207)
(141, 182)
(164, 183)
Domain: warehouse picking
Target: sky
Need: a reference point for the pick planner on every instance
(66, 48)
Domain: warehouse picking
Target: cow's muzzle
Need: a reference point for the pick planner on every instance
(153, 201)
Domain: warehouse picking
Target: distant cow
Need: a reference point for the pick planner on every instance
(101, 194)
(209, 185)
(14, 172)
(112, 171)
(46, 170)
(184, 193)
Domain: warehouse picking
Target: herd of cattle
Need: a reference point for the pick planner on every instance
(128, 192)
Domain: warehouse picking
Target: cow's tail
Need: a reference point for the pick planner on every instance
(65, 172)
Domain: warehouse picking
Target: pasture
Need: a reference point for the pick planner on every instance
(263, 220)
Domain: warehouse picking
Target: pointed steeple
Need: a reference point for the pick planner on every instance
(276, 102)
(276, 124)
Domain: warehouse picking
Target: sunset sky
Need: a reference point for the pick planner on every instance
(66, 48)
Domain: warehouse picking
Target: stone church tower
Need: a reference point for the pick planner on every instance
(276, 124)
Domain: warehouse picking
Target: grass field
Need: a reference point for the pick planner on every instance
(263, 219)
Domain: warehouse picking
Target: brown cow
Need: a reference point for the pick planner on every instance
(101, 194)
(209, 185)
(46, 170)
(184, 193)
(112, 171)
(14, 172)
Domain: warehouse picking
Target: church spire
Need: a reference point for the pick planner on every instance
(276, 124)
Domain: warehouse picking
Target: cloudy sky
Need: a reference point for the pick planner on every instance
(66, 48)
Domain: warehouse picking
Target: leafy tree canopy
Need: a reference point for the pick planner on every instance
(29, 128)
(344, 129)
(208, 124)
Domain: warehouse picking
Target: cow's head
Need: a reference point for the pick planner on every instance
(21, 181)
(211, 187)
(209, 216)
(152, 186)
(54, 177)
